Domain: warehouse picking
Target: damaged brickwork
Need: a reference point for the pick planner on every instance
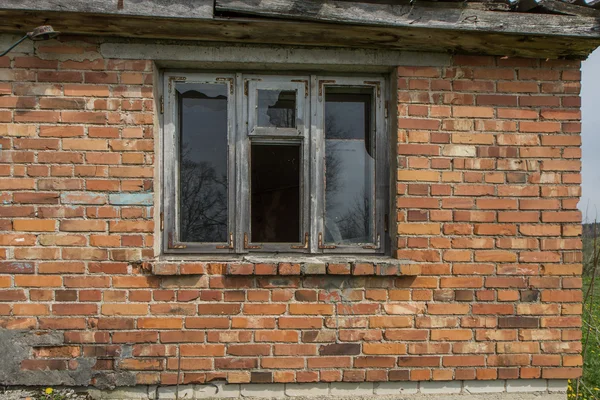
(483, 282)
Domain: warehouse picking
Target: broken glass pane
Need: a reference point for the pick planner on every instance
(203, 169)
(275, 193)
(277, 108)
(349, 166)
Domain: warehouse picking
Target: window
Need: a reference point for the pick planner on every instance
(274, 164)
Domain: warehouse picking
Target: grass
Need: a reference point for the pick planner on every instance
(588, 387)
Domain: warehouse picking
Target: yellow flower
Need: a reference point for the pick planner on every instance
(49, 390)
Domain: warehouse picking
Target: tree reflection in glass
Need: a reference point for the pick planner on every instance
(203, 181)
(349, 166)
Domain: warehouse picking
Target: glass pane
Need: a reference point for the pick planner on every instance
(203, 168)
(275, 193)
(277, 108)
(349, 166)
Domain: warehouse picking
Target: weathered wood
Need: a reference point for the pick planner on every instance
(200, 9)
(416, 16)
(581, 3)
(489, 5)
(277, 32)
(559, 7)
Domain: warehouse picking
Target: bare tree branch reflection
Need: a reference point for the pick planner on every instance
(356, 222)
(203, 201)
(349, 218)
(333, 164)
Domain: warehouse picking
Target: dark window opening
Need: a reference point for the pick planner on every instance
(275, 193)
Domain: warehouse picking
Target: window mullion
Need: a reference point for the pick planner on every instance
(170, 163)
(315, 147)
(242, 165)
(318, 172)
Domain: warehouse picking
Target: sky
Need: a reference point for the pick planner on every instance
(590, 94)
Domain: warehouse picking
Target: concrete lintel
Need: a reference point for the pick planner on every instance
(165, 54)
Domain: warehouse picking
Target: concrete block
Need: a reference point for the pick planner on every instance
(395, 388)
(484, 386)
(526, 385)
(136, 199)
(314, 268)
(450, 387)
(217, 390)
(126, 393)
(186, 392)
(557, 385)
(306, 389)
(83, 198)
(265, 391)
(459, 151)
(351, 389)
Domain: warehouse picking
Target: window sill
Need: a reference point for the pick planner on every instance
(289, 266)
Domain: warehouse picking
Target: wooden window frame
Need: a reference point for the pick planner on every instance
(309, 133)
(255, 134)
(171, 162)
(378, 246)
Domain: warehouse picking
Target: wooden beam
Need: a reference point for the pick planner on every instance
(559, 7)
(198, 9)
(415, 16)
(488, 5)
(298, 33)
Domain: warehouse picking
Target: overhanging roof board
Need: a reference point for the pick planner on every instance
(197, 9)
(416, 16)
(276, 31)
(558, 7)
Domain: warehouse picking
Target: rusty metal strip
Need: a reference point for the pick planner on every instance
(175, 79)
(377, 85)
(230, 80)
(171, 244)
(376, 246)
(306, 85)
(246, 82)
(247, 246)
(321, 245)
(302, 246)
(322, 83)
(229, 244)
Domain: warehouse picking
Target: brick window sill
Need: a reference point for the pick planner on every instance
(289, 266)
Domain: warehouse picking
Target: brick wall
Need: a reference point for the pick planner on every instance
(487, 188)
